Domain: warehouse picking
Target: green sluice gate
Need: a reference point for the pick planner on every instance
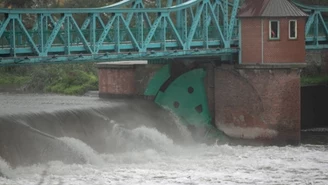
(185, 96)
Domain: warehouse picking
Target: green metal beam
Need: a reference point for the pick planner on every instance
(184, 28)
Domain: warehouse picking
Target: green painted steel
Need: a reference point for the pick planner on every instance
(186, 97)
(157, 81)
(127, 30)
(159, 61)
(316, 28)
(132, 30)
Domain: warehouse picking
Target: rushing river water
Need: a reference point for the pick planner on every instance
(61, 140)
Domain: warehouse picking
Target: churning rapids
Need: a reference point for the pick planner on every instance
(61, 140)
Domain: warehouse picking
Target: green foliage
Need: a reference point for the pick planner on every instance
(314, 80)
(72, 79)
(29, 3)
(73, 82)
(13, 79)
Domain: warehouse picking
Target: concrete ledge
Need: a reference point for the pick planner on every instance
(271, 66)
(120, 64)
(124, 96)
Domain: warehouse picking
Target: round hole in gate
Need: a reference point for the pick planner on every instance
(176, 104)
(199, 109)
(190, 90)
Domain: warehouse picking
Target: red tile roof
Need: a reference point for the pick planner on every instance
(270, 8)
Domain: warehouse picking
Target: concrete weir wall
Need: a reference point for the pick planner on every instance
(262, 103)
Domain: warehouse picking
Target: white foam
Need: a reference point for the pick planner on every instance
(200, 164)
(86, 152)
(5, 169)
(247, 133)
(182, 128)
(142, 138)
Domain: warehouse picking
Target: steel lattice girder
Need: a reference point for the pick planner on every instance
(127, 30)
(316, 30)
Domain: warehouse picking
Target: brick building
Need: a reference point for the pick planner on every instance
(272, 31)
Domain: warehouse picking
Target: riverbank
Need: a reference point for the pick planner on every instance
(319, 79)
(69, 79)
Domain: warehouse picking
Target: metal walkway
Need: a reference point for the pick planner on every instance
(131, 30)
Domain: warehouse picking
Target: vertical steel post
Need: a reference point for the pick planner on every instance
(179, 21)
(158, 4)
(12, 37)
(68, 34)
(45, 24)
(226, 18)
(233, 20)
(205, 26)
(117, 36)
(40, 18)
(184, 30)
(140, 29)
(163, 33)
(316, 29)
(93, 32)
(20, 33)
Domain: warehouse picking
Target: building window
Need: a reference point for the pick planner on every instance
(292, 29)
(274, 30)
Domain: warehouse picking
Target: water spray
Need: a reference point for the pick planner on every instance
(37, 131)
(34, 130)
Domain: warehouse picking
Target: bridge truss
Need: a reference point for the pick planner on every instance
(316, 29)
(132, 30)
(128, 30)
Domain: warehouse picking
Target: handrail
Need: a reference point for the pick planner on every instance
(118, 4)
(310, 7)
(112, 9)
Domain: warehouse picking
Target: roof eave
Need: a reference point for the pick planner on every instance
(303, 16)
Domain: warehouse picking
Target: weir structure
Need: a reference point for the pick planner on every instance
(190, 47)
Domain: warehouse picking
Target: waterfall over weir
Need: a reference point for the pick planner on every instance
(67, 135)
(61, 140)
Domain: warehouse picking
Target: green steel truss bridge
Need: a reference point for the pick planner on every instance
(132, 30)
(316, 29)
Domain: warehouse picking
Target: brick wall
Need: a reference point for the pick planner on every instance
(125, 80)
(258, 104)
(251, 43)
(117, 81)
(143, 75)
(283, 50)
